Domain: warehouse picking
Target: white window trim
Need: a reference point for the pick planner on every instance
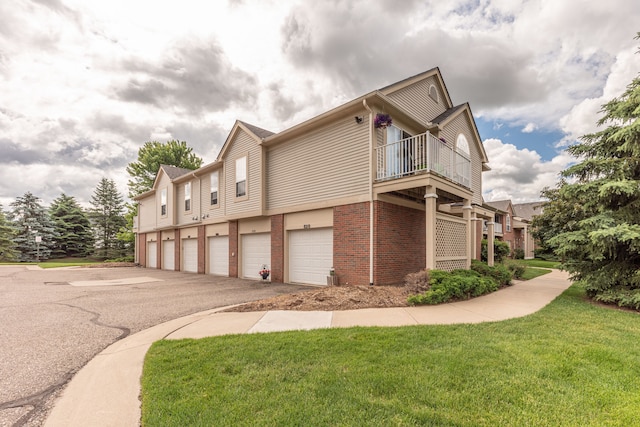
(187, 198)
(163, 202)
(435, 89)
(508, 223)
(245, 196)
(217, 189)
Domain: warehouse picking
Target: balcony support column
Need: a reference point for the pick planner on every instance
(490, 241)
(430, 199)
(470, 241)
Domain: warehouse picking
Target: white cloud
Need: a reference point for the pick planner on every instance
(85, 83)
(519, 174)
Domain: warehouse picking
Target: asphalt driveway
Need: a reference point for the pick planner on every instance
(52, 322)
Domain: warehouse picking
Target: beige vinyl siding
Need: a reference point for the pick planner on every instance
(147, 214)
(328, 163)
(168, 220)
(415, 98)
(450, 133)
(243, 145)
(187, 217)
(216, 211)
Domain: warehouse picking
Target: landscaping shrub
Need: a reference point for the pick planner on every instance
(417, 282)
(629, 298)
(500, 250)
(518, 253)
(516, 269)
(458, 284)
(499, 272)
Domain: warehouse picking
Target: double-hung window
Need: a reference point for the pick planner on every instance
(163, 202)
(508, 223)
(214, 188)
(187, 197)
(241, 177)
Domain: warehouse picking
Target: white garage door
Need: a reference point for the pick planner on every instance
(168, 255)
(190, 255)
(310, 255)
(152, 251)
(256, 251)
(219, 255)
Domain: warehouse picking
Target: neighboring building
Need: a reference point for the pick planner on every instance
(513, 224)
(344, 190)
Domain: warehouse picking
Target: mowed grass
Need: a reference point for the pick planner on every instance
(571, 364)
(532, 272)
(540, 263)
(60, 262)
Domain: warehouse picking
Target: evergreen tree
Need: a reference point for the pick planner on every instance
(153, 154)
(73, 229)
(106, 216)
(8, 250)
(594, 214)
(126, 235)
(32, 223)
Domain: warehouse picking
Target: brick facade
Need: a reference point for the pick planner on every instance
(399, 247)
(351, 243)
(176, 251)
(277, 248)
(142, 249)
(202, 241)
(233, 248)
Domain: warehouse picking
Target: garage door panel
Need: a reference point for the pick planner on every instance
(256, 251)
(190, 255)
(219, 255)
(310, 255)
(168, 255)
(152, 251)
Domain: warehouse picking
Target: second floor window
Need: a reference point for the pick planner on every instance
(163, 202)
(508, 224)
(214, 188)
(241, 177)
(187, 196)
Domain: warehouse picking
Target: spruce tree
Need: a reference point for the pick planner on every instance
(594, 213)
(107, 218)
(8, 250)
(73, 229)
(32, 223)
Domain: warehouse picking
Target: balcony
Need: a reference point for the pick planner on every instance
(421, 154)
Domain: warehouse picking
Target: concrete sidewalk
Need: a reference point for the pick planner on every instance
(106, 391)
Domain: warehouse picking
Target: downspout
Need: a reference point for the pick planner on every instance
(364, 103)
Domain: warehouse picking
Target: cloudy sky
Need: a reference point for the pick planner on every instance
(84, 83)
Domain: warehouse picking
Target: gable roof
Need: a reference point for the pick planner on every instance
(262, 133)
(448, 113)
(174, 172)
(501, 205)
(258, 134)
(528, 210)
(453, 112)
(435, 72)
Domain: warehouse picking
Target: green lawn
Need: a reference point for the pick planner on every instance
(532, 272)
(571, 364)
(54, 263)
(540, 263)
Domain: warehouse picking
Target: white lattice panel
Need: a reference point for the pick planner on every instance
(449, 265)
(451, 238)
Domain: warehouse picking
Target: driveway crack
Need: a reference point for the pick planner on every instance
(124, 331)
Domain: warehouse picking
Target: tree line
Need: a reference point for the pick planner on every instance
(31, 232)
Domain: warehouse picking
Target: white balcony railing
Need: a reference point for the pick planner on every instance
(422, 153)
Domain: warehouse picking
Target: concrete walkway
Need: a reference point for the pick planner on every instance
(106, 391)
